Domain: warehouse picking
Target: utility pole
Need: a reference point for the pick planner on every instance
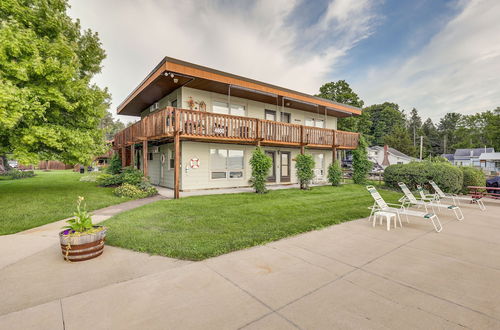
(444, 143)
(421, 145)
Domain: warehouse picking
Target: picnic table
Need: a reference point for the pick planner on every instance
(479, 192)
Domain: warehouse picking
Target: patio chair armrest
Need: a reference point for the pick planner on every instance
(394, 204)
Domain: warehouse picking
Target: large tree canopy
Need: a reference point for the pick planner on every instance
(341, 92)
(49, 109)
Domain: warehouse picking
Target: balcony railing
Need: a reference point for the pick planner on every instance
(218, 127)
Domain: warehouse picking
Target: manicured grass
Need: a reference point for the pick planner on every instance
(47, 197)
(200, 227)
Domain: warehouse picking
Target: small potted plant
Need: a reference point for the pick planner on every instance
(81, 240)
(191, 103)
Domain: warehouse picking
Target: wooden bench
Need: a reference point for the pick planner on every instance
(479, 192)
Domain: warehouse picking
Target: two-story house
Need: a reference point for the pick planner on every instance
(199, 126)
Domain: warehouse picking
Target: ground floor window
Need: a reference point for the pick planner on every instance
(171, 159)
(226, 163)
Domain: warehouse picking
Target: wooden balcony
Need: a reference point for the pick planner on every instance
(208, 126)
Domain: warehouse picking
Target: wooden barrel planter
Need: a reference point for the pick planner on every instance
(83, 246)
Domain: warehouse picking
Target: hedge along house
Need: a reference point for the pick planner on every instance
(199, 127)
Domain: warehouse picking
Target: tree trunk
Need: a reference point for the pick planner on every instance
(4, 162)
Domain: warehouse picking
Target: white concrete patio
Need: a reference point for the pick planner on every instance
(348, 276)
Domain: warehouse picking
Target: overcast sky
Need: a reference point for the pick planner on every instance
(437, 56)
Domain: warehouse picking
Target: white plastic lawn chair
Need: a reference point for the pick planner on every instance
(381, 205)
(409, 199)
(456, 199)
(427, 197)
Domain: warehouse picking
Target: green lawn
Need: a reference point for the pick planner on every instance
(47, 197)
(200, 227)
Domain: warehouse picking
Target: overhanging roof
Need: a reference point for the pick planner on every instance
(156, 85)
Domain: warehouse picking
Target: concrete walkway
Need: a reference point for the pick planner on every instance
(169, 193)
(346, 276)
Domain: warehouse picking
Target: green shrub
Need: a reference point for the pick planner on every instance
(129, 175)
(448, 177)
(360, 163)
(304, 164)
(335, 173)
(132, 191)
(15, 174)
(129, 190)
(91, 177)
(261, 164)
(438, 159)
(109, 180)
(115, 165)
(132, 175)
(472, 177)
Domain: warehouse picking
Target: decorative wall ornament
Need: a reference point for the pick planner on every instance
(194, 162)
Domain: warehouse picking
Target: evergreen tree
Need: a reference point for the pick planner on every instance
(415, 127)
(432, 140)
(447, 129)
(400, 140)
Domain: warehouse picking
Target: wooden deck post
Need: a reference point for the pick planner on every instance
(177, 154)
(124, 156)
(334, 147)
(257, 132)
(301, 139)
(132, 155)
(145, 157)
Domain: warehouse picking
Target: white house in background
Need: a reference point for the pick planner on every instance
(469, 157)
(490, 161)
(385, 156)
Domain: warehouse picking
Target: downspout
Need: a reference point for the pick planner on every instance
(229, 98)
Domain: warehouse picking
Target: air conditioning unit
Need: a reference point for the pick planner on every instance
(155, 149)
(154, 107)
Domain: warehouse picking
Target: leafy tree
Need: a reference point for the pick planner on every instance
(341, 92)
(334, 173)
(385, 118)
(400, 139)
(304, 163)
(49, 109)
(110, 126)
(360, 163)
(492, 128)
(261, 164)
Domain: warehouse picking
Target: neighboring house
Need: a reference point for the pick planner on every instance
(385, 156)
(199, 126)
(450, 157)
(490, 161)
(469, 157)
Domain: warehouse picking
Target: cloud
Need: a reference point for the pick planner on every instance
(458, 70)
(254, 39)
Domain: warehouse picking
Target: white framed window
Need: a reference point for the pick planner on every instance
(223, 108)
(226, 163)
(171, 159)
(315, 122)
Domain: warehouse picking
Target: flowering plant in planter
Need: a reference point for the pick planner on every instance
(81, 240)
(82, 220)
